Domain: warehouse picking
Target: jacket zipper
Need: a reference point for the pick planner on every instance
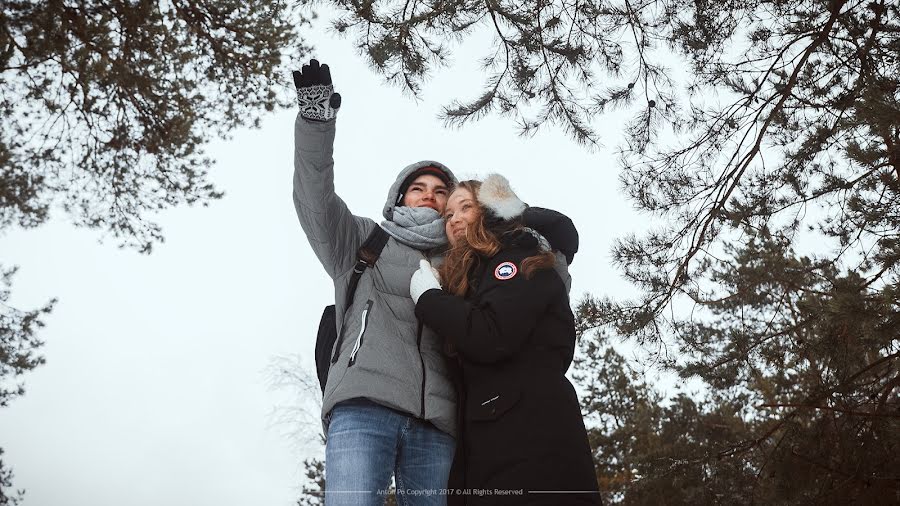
(357, 271)
(362, 330)
(422, 361)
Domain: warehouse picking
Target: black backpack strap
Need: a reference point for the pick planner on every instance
(366, 256)
(371, 249)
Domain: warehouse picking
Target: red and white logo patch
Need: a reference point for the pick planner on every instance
(506, 270)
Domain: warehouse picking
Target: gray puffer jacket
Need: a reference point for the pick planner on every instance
(382, 356)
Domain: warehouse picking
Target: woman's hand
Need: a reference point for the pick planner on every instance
(424, 279)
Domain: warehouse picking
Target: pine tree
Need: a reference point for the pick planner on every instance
(107, 105)
(780, 129)
(802, 407)
(8, 497)
(106, 108)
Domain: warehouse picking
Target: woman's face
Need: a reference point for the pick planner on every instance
(461, 210)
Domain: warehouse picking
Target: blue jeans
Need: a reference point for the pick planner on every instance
(368, 442)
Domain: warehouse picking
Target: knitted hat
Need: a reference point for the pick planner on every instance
(503, 208)
(504, 211)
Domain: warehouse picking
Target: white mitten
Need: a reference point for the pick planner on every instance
(423, 280)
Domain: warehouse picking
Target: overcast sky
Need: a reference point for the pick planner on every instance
(155, 390)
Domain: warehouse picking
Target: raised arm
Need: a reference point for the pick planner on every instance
(332, 230)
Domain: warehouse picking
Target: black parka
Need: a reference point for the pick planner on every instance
(521, 427)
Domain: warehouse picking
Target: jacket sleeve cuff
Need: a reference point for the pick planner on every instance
(423, 304)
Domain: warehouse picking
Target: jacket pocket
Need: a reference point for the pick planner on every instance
(362, 330)
(491, 404)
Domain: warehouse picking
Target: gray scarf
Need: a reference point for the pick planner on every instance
(421, 228)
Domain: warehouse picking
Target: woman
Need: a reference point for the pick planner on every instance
(504, 314)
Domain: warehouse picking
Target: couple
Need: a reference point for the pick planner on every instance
(449, 371)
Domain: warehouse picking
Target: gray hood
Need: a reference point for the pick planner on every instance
(395, 188)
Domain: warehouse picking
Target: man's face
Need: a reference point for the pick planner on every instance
(427, 191)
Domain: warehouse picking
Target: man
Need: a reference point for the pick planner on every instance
(389, 404)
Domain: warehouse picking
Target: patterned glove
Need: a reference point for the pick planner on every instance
(315, 93)
(423, 280)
